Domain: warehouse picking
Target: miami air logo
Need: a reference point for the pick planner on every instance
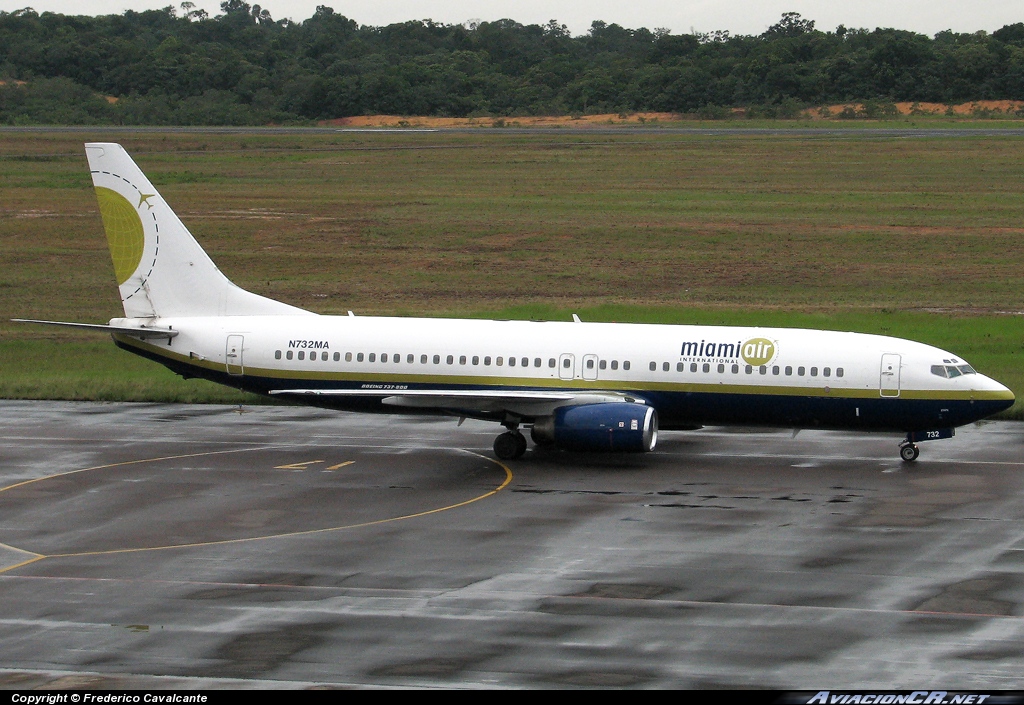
(756, 351)
(124, 232)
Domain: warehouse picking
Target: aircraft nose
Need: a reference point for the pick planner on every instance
(994, 396)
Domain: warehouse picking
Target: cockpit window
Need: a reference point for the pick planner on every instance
(951, 371)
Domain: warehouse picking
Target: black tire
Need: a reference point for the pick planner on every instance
(909, 453)
(507, 446)
(520, 444)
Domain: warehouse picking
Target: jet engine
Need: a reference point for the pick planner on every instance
(599, 427)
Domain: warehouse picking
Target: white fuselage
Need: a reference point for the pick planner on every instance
(655, 362)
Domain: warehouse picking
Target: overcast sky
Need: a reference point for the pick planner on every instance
(679, 16)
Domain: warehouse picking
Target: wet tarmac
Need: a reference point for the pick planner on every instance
(154, 546)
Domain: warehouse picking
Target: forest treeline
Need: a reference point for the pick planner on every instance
(180, 66)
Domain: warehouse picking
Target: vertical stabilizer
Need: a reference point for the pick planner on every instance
(160, 268)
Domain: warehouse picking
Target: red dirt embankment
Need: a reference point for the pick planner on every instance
(978, 108)
(532, 121)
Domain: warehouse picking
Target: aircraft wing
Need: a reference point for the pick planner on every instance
(525, 402)
(142, 333)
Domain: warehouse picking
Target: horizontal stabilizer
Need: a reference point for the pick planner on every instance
(142, 333)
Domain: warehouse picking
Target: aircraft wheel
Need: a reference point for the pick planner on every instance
(520, 444)
(509, 445)
(909, 452)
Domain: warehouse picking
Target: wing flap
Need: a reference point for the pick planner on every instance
(528, 401)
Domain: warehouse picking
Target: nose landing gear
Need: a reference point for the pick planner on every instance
(908, 448)
(909, 452)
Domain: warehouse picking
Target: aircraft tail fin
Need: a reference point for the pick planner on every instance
(161, 270)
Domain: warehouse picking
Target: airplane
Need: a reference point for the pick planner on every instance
(575, 385)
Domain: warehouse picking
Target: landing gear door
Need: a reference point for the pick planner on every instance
(233, 355)
(566, 365)
(889, 376)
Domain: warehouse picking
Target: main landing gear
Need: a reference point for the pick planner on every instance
(510, 445)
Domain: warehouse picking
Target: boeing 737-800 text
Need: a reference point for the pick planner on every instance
(580, 386)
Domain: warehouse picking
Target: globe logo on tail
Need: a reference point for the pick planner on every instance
(124, 232)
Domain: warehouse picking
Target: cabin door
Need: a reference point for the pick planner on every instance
(233, 355)
(590, 367)
(889, 378)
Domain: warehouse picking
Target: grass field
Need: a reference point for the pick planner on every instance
(918, 238)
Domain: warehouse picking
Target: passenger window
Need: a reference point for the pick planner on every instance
(348, 357)
(693, 367)
(462, 359)
(721, 368)
(359, 357)
(487, 360)
(749, 370)
(763, 369)
(323, 356)
(497, 362)
(412, 358)
(566, 363)
(735, 369)
(277, 354)
(814, 372)
(827, 372)
(680, 367)
(372, 357)
(603, 364)
(800, 371)
(511, 362)
(839, 372)
(383, 357)
(423, 359)
(288, 354)
(775, 369)
(536, 362)
(789, 371)
(625, 364)
(707, 367)
(590, 363)
(665, 367)
(337, 357)
(525, 362)
(450, 359)
(615, 364)
(302, 355)
(551, 362)
(476, 359)
(437, 359)
(653, 366)
(396, 357)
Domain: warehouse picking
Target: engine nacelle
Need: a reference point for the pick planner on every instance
(600, 427)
